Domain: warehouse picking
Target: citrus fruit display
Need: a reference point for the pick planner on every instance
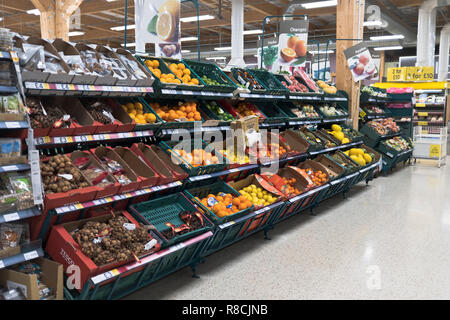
(271, 150)
(184, 111)
(257, 195)
(183, 73)
(136, 112)
(326, 87)
(245, 109)
(197, 157)
(291, 190)
(317, 176)
(233, 157)
(225, 204)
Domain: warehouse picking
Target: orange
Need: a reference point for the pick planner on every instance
(181, 66)
(236, 202)
(194, 81)
(155, 63)
(242, 206)
(187, 71)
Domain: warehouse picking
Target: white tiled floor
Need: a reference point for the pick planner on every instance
(389, 240)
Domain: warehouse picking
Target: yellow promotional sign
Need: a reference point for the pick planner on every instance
(419, 73)
(396, 74)
(435, 151)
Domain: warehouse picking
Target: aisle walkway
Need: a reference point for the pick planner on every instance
(390, 240)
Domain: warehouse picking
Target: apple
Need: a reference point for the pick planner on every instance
(359, 69)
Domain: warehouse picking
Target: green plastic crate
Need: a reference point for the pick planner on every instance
(327, 117)
(215, 188)
(269, 81)
(167, 209)
(165, 124)
(168, 146)
(213, 72)
(235, 73)
(148, 126)
(213, 115)
(201, 85)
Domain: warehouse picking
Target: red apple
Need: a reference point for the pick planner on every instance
(359, 69)
(363, 59)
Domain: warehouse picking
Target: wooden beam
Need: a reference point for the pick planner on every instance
(267, 9)
(64, 9)
(348, 14)
(47, 17)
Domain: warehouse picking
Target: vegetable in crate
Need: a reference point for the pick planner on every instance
(112, 241)
(331, 111)
(225, 204)
(211, 82)
(293, 85)
(309, 82)
(343, 161)
(373, 109)
(116, 169)
(59, 175)
(304, 111)
(360, 156)
(192, 221)
(338, 134)
(244, 77)
(136, 112)
(218, 111)
(184, 111)
(100, 111)
(257, 195)
(398, 144)
(48, 117)
(97, 176)
(246, 109)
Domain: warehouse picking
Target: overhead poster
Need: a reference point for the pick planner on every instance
(360, 62)
(292, 45)
(158, 22)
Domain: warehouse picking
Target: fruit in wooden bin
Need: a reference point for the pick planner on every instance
(318, 177)
(291, 189)
(225, 204)
(272, 150)
(234, 157)
(197, 157)
(184, 111)
(136, 112)
(257, 195)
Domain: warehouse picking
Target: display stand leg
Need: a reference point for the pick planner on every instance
(311, 211)
(194, 270)
(266, 233)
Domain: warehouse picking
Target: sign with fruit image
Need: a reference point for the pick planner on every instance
(360, 62)
(158, 22)
(292, 46)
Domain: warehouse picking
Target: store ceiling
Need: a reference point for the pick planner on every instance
(99, 16)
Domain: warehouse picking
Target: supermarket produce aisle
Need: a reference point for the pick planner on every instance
(389, 240)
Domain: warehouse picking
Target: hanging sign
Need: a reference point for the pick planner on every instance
(396, 74)
(360, 62)
(270, 52)
(419, 73)
(292, 45)
(158, 22)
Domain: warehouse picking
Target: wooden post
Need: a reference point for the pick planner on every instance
(348, 14)
(381, 66)
(55, 17)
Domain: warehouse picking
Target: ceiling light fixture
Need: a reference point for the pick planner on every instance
(247, 32)
(319, 4)
(222, 48)
(321, 51)
(36, 12)
(388, 48)
(75, 33)
(389, 37)
(372, 23)
(132, 44)
(121, 28)
(189, 39)
(215, 58)
(194, 18)
(185, 51)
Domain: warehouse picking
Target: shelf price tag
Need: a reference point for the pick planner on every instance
(422, 123)
(422, 114)
(420, 105)
(30, 255)
(11, 217)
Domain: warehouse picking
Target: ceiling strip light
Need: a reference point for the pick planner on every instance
(388, 48)
(189, 39)
(75, 33)
(194, 18)
(222, 48)
(121, 28)
(388, 37)
(319, 4)
(372, 23)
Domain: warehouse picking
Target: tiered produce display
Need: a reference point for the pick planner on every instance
(386, 121)
(129, 205)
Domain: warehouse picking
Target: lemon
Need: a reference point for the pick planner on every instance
(165, 26)
(336, 127)
(359, 151)
(347, 152)
(353, 152)
(265, 197)
(339, 135)
(367, 157)
(345, 140)
(354, 157)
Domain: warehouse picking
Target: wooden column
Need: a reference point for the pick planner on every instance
(381, 66)
(348, 13)
(55, 17)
